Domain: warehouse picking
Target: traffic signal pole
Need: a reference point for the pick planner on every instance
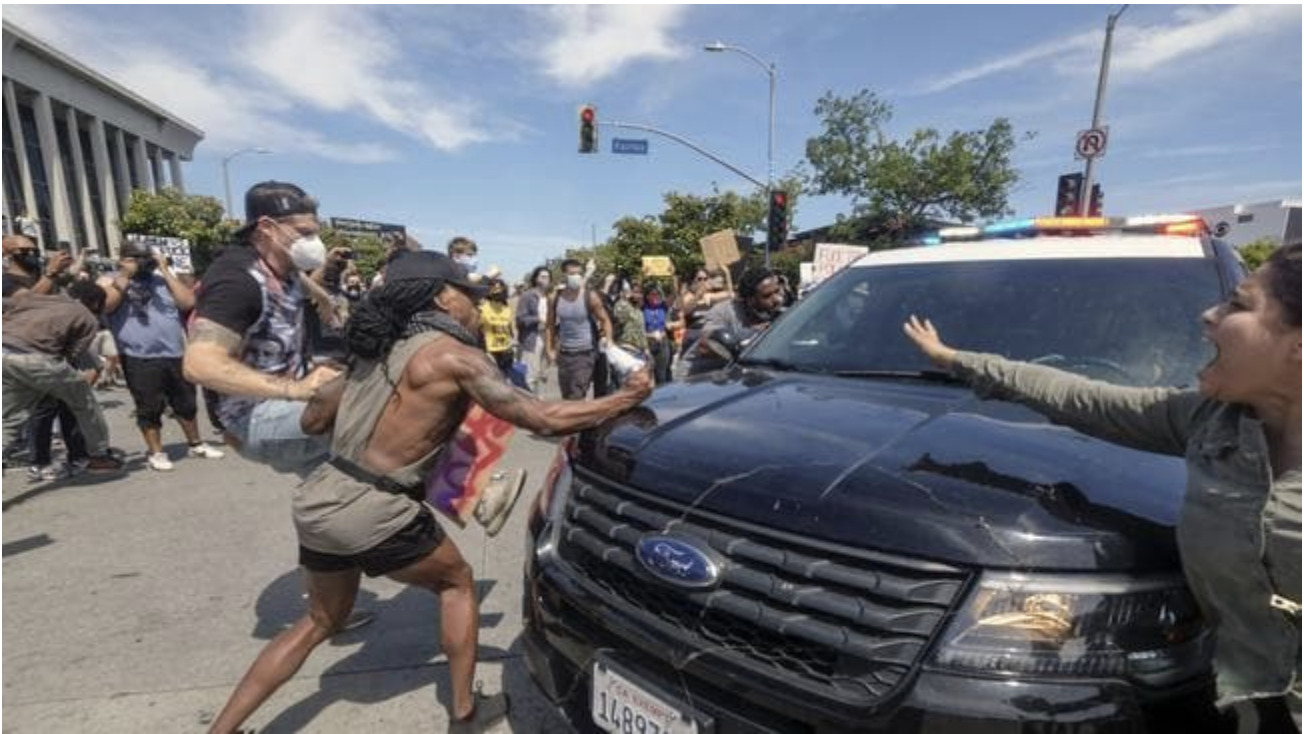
(688, 143)
(1084, 199)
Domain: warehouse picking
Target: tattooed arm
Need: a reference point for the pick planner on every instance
(212, 361)
(481, 380)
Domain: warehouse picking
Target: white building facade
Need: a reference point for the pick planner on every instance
(1241, 224)
(76, 144)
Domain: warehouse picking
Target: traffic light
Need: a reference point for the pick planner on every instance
(588, 129)
(777, 232)
(1097, 200)
(1068, 196)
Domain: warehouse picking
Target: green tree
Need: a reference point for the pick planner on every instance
(896, 185)
(677, 230)
(1257, 252)
(171, 213)
(368, 250)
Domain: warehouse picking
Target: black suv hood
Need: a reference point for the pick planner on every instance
(904, 466)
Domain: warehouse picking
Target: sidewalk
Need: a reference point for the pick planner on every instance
(135, 604)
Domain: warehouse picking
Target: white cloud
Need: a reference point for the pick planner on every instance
(342, 59)
(1027, 57)
(1206, 151)
(233, 108)
(1137, 48)
(1198, 30)
(593, 42)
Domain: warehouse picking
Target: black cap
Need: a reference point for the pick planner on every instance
(429, 265)
(275, 199)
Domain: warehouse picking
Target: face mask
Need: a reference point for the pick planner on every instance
(574, 281)
(29, 260)
(308, 253)
(467, 261)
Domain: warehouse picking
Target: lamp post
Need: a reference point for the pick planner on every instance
(770, 70)
(1084, 197)
(226, 175)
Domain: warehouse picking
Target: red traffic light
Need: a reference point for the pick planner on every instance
(780, 198)
(587, 114)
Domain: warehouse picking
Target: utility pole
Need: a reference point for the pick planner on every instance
(1084, 198)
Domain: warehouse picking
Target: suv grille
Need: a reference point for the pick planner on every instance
(849, 625)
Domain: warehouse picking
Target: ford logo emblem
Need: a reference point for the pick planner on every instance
(678, 561)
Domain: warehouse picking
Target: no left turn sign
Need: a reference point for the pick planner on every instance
(1091, 143)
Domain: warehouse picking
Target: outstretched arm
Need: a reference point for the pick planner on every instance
(479, 377)
(1150, 419)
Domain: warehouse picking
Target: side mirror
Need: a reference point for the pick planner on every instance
(724, 343)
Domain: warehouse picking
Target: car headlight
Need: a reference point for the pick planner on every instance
(1148, 630)
(556, 493)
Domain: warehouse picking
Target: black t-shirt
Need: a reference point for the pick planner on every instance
(240, 293)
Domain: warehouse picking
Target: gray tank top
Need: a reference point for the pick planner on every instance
(335, 513)
(575, 331)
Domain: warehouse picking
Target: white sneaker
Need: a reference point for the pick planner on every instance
(160, 462)
(498, 499)
(204, 451)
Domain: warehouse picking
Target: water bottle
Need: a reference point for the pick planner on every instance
(622, 361)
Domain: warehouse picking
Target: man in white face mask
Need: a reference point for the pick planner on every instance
(252, 294)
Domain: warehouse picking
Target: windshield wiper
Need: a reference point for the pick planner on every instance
(929, 375)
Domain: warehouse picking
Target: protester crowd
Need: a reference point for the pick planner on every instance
(358, 388)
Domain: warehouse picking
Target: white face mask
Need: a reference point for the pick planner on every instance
(468, 261)
(308, 253)
(574, 281)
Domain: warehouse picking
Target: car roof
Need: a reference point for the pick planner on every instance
(1108, 246)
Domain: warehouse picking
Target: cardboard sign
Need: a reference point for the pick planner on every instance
(176, 248)
(657, 266)
(830, 258)
(720, 249)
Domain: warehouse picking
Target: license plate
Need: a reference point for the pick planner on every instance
(623, 706)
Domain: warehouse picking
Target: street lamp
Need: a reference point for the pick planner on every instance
(769, 68)
(226, 176)
(1084, 199)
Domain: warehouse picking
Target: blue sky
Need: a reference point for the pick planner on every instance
(461, 119)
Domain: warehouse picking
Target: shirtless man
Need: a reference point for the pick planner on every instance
(417, 370)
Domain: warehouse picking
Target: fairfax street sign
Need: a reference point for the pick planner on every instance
(629, 146)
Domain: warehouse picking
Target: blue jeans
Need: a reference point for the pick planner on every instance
(270, 435)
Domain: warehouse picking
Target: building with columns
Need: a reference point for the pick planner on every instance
(76, 144)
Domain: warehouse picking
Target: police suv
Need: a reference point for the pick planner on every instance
(831, 536)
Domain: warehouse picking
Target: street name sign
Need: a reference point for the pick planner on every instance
(629, 146)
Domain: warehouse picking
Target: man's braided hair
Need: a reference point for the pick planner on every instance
(380, 318)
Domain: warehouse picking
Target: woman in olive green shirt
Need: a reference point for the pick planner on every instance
(1239, 530)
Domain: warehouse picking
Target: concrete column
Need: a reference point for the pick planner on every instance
(144, 173)
(87, 213)
(124, 173)
(155, 155)
(108, 192)
(24, 171)
(61, 211)
(174, 164)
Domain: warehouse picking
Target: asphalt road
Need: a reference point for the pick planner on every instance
(135, 604)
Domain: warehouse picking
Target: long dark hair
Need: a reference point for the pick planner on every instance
(378, 320)
(1283, 281)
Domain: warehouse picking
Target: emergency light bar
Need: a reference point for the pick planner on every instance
(1169, 224)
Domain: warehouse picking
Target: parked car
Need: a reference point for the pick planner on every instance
(831, 536)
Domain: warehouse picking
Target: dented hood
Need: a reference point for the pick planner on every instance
(904, 466)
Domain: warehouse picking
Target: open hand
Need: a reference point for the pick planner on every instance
(925, 336)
